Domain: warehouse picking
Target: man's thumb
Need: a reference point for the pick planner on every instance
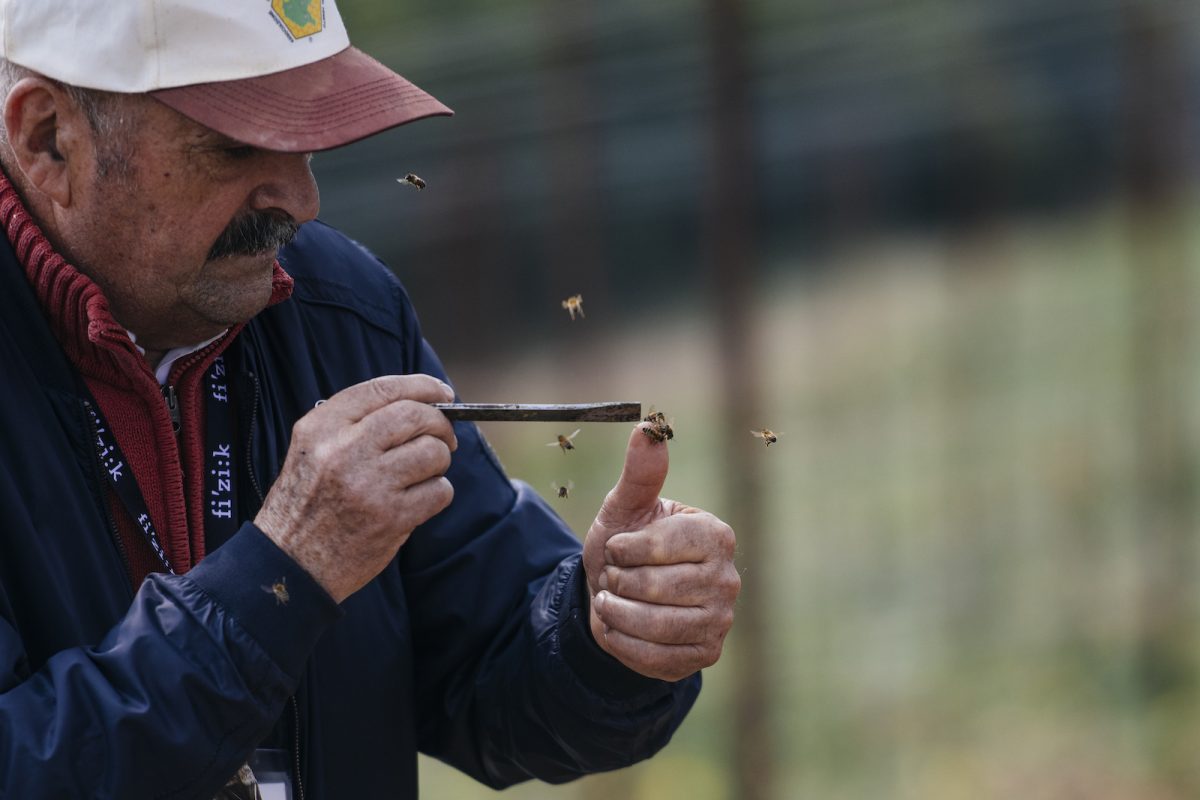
(636, 494)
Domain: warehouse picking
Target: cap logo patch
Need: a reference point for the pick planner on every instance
(299, 18)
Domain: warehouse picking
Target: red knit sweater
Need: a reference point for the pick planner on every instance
(170, 473)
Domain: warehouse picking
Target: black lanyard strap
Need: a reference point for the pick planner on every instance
(220, 517)
(220, 466)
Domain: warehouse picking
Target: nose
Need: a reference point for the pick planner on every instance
(289, 186)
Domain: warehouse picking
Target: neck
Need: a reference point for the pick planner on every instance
(154, 358)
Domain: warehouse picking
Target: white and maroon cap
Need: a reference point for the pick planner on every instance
(277, 74)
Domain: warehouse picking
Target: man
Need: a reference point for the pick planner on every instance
(237, 543)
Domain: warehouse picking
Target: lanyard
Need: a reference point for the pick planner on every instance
(220, 499)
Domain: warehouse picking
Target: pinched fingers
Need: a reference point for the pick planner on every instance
(414, 461)
(403, 421)
(356, 402)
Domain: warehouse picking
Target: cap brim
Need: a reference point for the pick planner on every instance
(328, 103)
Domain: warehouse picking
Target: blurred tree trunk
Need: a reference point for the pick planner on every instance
(1163, 310)
(731, 231)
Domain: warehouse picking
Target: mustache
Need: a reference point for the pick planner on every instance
(254, 233)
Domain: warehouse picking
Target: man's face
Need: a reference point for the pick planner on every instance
(182, 237)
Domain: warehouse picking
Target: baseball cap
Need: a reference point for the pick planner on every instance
(277, 74)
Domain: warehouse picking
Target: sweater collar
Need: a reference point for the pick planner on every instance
(78, 312)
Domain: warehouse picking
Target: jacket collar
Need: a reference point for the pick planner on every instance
(73, 304)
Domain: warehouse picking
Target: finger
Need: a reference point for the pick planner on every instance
(674, 584)
(662, 624)
(636, 494)
(415, 461)
(357, 401)
(401, 421)
(427, 498)
(668, 662)
(679, 539)
(418, 504)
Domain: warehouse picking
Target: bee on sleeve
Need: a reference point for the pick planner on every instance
(564, 441)
(768, 436)
(574, 303)
(563, 492)
(280, 590)
(413, 181)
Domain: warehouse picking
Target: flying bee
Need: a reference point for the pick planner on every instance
(564, 441)
(768, 436)
(412, 180)
(660, 430)
(279, 589)
(563, 491)
(574, 303)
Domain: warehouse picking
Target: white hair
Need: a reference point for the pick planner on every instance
(108, 114)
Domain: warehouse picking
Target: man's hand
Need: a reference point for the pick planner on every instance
(661, 574)
(363, 470)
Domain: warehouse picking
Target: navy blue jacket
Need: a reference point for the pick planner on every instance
(472, 646)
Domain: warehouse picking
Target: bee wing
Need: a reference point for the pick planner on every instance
(573, 435)
(551, 444)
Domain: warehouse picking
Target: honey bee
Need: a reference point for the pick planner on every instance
(574, 303)
(564, 441)
(412, 180)
(768, 436)
(563, 491)
(279, 589)
(659, 430)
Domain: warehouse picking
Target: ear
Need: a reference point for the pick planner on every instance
(44, 131)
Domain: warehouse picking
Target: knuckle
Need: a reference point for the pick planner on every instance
(381, 388)
(405, 412)
(732, 583)
(435, 452)
(726, 541)
(445, 492)
(616, 550)
(321, 452)
(445, 454)
(304, 428)
(701, 656)
(651, 585)
(615, 580)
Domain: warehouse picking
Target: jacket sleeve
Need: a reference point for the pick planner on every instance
(174, 697)
(510, 684)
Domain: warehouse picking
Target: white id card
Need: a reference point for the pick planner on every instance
(271, 769)
(274, 791)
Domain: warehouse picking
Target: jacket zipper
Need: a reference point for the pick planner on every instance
(172, 400)
(250, 441)
(296, 746)
(113, 533)
(295, 707)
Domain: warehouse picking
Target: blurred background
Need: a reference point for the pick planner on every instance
(948, 251)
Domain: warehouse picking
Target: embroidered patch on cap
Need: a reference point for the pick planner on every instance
(299, 18)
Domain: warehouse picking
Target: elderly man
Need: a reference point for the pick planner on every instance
(208, 578)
